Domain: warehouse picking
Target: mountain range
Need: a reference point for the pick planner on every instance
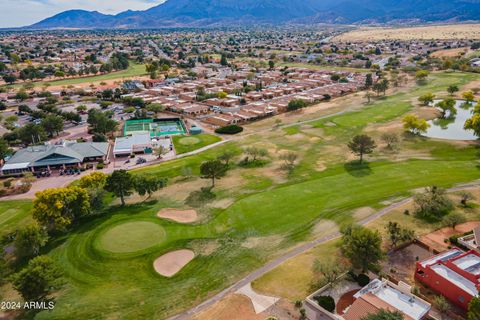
(211, 13)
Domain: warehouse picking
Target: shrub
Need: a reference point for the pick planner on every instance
(197, 198)
(7, 183)
(363, 280)
(326, 302)
(231, 129)
(100, 166)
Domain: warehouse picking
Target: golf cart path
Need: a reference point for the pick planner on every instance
(295, 252)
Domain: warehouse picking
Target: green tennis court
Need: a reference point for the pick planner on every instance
(156, 127)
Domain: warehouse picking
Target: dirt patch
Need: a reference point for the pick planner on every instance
(363, 212)
(324, 227)
(233, 306)
(450, 53)
(182, 216)
(462, 31)
(320, 166)
(171, 263)
(436, 239)
(222, 203)
(205, 247)
(254, 242)
(428, 113)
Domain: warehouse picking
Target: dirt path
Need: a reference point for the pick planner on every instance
(293, 253)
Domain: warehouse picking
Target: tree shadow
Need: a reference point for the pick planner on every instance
(357, 169)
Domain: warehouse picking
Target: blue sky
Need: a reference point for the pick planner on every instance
(17, 13)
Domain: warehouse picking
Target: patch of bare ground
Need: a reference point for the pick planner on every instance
(363, 212)
(262, 242)
(324, 227)
(233, 306)
(471, 85)
(461, 31)
(450, 53)
(171, 263)
(222, 203)
(436, 239)
(182, 216)
(204, 247)
(428, 113)
(179, 191)
(320, 166)
(272, 172)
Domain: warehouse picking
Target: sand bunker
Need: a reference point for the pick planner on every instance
(182, 216)
(171, 263)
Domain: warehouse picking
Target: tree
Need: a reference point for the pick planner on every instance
(474, 309)
(21, 95)
(289, 159)
(452, 89)
(155, 108)
(29, 240)
(120, 183)
(58, 208)
(81, 108)
(38, 279)
(296, 104)
(213, 169)
(223, 60)
(329, 269)
(415, 125)
(256, 153)
(445, 105)
(93, 181)
(271, 64)
(426, 99)
(362, 246)
(52, 124)
(148, 184)
(368, 81)
(385, 315)
(101, 122)
(468, 96)
(433, 202)
(391, 139)
(454, 219)
(421, 75)
(368, 96)
(473, 124)
(361, 145)
(32, 133)
(441, 304)
(397, 234)
(9, 78)
(5, 150)
(465, 197)
(226, 157)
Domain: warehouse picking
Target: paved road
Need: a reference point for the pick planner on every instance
(295, 252)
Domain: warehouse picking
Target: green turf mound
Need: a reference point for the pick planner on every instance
(188, 141)
(131, 237)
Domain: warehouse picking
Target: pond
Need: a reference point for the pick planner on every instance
(451, 128)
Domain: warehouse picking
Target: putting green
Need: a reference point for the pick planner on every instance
(131, 237)
(188, 141)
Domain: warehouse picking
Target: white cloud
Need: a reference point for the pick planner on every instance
(17, 13)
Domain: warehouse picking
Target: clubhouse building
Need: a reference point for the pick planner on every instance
(66, 155)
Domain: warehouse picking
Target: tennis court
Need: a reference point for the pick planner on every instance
(156, 127)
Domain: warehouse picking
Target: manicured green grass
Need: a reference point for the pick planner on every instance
(134, 70)
(131, 237)
(287, 212)
(184, 144)
(14, 214)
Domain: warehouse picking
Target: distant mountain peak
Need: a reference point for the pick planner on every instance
(204, 13)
